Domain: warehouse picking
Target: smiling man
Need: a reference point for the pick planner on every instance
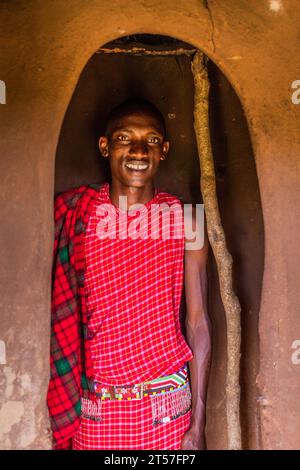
(123, 376)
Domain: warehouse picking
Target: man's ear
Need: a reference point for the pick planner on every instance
(103, 146)
(165, 149)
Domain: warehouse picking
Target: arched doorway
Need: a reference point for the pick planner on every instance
(122, 68)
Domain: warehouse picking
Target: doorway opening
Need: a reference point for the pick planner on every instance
(158, 68)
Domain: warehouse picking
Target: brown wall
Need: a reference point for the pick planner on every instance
(45, 46)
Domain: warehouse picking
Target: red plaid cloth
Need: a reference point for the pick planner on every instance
(70, 355)
(128, 425)
(70, 364)
(133, 289)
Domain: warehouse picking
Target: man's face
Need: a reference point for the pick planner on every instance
(135, 147)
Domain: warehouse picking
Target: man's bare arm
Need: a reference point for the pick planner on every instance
(198, 337)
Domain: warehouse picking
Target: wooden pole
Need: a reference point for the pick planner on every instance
(217, 241)
(145, 51)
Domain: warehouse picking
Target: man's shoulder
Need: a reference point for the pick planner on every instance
(170, 198)
(68, 199)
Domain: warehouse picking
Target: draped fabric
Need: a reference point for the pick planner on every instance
(70, 363)
(133, 288)
(131, 335)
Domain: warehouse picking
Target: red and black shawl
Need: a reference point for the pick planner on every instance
(70, 365)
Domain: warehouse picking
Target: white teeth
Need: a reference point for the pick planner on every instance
(137, 166)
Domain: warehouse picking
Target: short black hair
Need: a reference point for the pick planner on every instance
(132, 106)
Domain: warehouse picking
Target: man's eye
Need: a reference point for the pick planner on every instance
(122, 137)
(153, 140)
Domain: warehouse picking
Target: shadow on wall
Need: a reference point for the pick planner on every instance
(167, 81)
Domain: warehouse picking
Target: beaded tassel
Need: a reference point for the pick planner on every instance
(170, 405)
(91, 409)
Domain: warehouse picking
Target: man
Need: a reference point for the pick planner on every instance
(118, 291)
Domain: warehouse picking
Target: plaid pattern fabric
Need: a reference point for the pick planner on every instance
(128, 425)
(70, 364)
(71, 357)
(133, 289)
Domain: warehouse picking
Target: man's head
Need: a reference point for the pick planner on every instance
(134, 142)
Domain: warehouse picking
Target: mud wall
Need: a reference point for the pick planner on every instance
(45, 46)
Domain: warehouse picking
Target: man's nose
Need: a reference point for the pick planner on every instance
(138, 148)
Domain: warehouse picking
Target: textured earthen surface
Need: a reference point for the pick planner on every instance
(44, 48)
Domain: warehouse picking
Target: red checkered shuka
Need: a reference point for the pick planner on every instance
(128, 425)
(70, 360)
(133, 287)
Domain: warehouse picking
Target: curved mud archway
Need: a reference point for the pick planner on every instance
(45, 47)
(241, 213)
(112, 76)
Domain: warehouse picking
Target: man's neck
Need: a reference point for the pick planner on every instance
(134, 195)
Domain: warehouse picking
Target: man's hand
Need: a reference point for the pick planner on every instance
(193, 439)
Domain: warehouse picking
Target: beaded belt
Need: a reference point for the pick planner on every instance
(170, 397)
(167, 383)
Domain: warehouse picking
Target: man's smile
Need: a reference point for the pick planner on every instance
(134, 165)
